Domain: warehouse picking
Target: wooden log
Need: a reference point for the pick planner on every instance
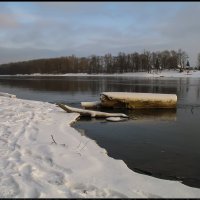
(137, 100)
(94, 104)
(90, 113)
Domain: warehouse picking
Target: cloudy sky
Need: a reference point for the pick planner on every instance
(30, 30)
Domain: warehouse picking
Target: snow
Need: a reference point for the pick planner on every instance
(141, 96)
(164, 73)
(116, 119)
(93, 104)
(74, 166)
(7, 95)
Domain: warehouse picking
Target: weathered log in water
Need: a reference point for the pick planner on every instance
(90, 113)
(137, 100)
(94, 104)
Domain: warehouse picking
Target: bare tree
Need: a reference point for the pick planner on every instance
(148, 59)
(121, 63)
(182, 58)
(198, 61)
(157, 65)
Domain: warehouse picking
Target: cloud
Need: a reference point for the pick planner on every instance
(182, 30)
(184, 24)
(84, 28)
(22, 54)
(8, 21)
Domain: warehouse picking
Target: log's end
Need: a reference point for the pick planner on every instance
(94, 104)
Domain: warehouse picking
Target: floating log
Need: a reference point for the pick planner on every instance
(94, 104)
(137, 100)
(90, 113)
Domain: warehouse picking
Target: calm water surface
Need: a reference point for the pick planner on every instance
(161, 143)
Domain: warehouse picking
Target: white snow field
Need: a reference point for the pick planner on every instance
(42, 156)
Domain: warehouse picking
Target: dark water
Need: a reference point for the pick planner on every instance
(161, 143)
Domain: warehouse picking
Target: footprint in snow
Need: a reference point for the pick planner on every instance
(90, 191)
(8, 187)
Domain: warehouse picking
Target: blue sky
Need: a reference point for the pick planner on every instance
(30, 30)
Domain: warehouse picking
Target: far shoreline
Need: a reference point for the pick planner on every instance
(163, 74)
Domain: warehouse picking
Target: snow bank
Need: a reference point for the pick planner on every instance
(164, 73)
(74, 166)
(7, 95)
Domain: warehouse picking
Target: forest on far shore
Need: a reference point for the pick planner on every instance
(122, 63)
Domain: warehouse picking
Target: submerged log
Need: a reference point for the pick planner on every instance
(137, 100)
(90, 113)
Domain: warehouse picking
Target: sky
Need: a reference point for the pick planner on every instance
(32, 30)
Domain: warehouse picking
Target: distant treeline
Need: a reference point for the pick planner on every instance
(133, 62)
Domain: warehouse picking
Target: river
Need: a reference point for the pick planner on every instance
(161, 143)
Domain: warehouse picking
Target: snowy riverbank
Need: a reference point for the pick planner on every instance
(34, 166)
(164, 73)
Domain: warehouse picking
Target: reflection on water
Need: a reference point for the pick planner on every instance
(153, 114)
(161, 142)
(141, 114)
(76, 89)
(166, 148)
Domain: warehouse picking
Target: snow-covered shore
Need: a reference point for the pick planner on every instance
(34, 166)
(164, 73)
